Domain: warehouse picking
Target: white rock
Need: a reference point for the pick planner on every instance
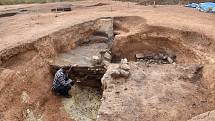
(96, 60)
(125, 67)
(124, 73)
(124, 61)
(170, 60)
(107, 56)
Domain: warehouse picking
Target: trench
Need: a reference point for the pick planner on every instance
(92, 44)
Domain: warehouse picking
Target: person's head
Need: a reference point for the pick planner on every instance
(67, 69)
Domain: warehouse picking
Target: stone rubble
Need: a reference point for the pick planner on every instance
(104, 58)
(122, 70)
(96, 60)
(160, 58)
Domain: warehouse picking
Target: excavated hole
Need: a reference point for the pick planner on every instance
(86, 93)
(149, 44)
(151, 51)
(158, 45)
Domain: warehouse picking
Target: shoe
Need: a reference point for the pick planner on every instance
(67, 96)
(55, 93)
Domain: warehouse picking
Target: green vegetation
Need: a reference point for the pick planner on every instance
(11, 2)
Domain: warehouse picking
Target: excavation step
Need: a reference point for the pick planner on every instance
(86, 73)
(86, 76)
(81, 55)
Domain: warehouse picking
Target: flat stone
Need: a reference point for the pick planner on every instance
(139, 56)
(107, 56)
(170, 60)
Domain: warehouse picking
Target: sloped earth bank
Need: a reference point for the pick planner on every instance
(162, 92)
(26, 76)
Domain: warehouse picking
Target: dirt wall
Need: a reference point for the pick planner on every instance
(26, 77)
(188, 46)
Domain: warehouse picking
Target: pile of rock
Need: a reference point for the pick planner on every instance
(96, 60)
(104, 58)
(158, 58)
(122, 70)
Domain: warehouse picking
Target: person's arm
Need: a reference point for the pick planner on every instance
(62, 80)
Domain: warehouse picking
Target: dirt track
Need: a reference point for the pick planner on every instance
(25, 49)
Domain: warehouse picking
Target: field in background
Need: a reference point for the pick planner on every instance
(11, 2)
(143, 2)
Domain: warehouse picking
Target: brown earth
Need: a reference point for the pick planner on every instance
(188, 46)
(157, 93)
(30, 40)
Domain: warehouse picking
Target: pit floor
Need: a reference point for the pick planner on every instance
(84, 104)
(81, 55)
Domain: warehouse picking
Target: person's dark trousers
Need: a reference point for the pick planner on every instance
(63, 90)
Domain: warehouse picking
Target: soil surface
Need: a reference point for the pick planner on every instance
(81, 55)
(32, 37)
(23, 28)
(156, 93)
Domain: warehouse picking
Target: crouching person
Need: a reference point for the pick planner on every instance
(61, 83)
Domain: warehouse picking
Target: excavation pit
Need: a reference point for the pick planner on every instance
(148, 87)
(160, 58)
(86, 93)
(147, 45)
(134, 36)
